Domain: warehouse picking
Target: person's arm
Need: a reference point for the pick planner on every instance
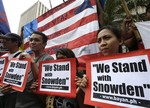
(5, 89)
(81, 83)
(128, 36)
(34, 67)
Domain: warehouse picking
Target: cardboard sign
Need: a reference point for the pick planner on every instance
(57, 77)
(16, 73)
(3, 62)
(118, 81)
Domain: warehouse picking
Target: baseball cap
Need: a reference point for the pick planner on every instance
(10, 36)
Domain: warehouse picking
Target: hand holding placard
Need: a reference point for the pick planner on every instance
(119, 81)
(16, 73)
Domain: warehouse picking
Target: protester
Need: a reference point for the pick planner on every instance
(12, 42)
(109, 42)
(28, 99)
(62, 102)
(128, 34)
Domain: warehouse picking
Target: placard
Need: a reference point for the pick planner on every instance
(16, 73)
(119, 81)
(3, 62)
(57, 77)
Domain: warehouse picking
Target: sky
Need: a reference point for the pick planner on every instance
(14, 9)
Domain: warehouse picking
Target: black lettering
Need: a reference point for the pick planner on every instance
(129, 67)
(12, 64)
(95, 86)
(2, 62)
(61, 67)
(21, 66)
(106, 86)
(13, 76)
(104, 78)
(48, 67)
(139, 91)
(130, 90)
(142, 66)
(133, 67)
(114, 88)
(48, 74)
(101, 68)
(120, 67)
(115, 69)
(121, 89)
(57, 80)
(126, 67)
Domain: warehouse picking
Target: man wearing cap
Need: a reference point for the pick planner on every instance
(28, 99)
(37, 42)
(12, 42)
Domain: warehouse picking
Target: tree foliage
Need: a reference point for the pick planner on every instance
(113, 10)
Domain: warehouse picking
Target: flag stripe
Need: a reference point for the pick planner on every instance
(59, 9)
(4, 25)
(73, 25)
(68, 22)
(72, 35)
(84, 40)
(79, 23)
(64, 18)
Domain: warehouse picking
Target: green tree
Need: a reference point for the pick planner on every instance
(113, 10)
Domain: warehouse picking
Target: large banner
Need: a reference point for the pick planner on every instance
(119, 81)
(73, 24)
(4, 26)
(16, 73)
(144, 29)
(57, 77)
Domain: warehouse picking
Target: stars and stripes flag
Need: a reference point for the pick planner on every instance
(73, 24)
(4, 26)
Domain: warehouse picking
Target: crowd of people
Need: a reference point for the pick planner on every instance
(110, 41)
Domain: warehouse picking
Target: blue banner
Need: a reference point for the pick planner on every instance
(4, 26)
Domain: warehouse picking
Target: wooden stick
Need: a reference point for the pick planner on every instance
(136, 33)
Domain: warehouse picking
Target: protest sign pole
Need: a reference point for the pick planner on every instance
(125, 7)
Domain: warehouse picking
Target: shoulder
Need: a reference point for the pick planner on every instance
(47, 57)
(5, 55)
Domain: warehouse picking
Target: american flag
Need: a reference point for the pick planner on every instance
(4, 25)
(73, 24)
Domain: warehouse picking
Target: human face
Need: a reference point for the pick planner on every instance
(9, 44)
(107, 42)
(61, 56)
(36, 43)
